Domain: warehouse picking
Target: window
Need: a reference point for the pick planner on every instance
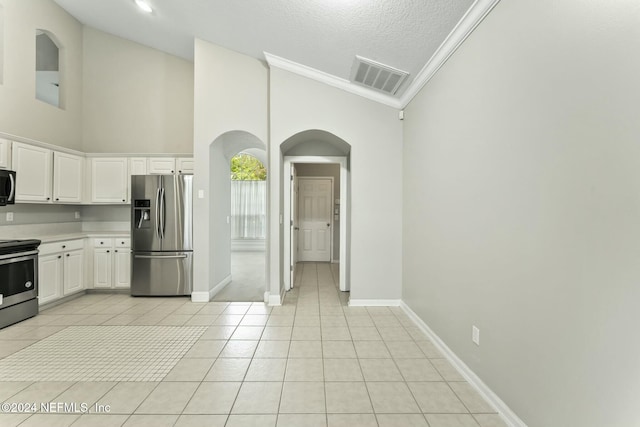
(248, 198)
(47, 69)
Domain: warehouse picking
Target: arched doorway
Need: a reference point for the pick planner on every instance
(221, 151)
(324, 156)
(248, 222)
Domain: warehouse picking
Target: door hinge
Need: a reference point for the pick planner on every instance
(292, 268)
(291, 177)
(291, 222)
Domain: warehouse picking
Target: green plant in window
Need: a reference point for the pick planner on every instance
(247, 168)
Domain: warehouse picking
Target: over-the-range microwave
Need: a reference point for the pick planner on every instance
(7, 187)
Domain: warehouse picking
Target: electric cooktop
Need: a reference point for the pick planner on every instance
(14, 245)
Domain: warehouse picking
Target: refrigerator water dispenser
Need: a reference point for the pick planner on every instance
(142, 213)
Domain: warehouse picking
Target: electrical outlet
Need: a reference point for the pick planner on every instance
(77, 214)
(9, 216)
(475, 335)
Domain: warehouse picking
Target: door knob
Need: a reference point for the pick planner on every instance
(328, 225)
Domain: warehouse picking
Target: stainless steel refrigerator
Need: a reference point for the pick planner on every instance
(161, 235)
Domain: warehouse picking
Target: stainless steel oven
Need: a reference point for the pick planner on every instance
(18, 280)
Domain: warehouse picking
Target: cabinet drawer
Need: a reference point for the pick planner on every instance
(63, 246)
(122, 242)
(103, 243)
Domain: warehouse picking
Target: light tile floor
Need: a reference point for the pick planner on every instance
(311, 362)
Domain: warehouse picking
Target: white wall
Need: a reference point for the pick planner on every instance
(136, 99)
(375, 135)
(20, 113)
(522, 208)
(230, 95)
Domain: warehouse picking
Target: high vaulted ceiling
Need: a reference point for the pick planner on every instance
(322, 36)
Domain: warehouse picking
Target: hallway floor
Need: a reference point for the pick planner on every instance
(247, 272)
(157, 362)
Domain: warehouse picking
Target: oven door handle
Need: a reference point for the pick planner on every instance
(17, 257)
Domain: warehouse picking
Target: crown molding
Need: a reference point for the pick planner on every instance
(474, 16)
(471, 19)
(330, 79)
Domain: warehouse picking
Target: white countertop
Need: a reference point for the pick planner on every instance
(81, 235)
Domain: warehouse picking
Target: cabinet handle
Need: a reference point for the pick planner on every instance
(123, 200)
(172, 171)
(102, 243)
(122, 243)
(64, 246)
(48, 198)
(116, 251)
(59, 256)
(57, 199)
(67, 254)
(179, 171)
(107, 251)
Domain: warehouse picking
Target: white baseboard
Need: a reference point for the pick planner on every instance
(508, 416)
(220, 286)
(200, 297)
(374, 302)
(274, 299)
(208, 296)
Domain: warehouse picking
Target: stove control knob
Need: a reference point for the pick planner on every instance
(28, 284)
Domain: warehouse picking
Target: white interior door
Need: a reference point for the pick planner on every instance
(314, 219)
(294, 225)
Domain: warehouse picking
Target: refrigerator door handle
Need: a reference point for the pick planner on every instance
(162, 213)
(158, 213)
(160, 256)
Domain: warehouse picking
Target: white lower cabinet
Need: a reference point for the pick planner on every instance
(60, 270)
(49, 277)
(112, 263)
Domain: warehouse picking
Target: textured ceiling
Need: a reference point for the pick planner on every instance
(325, 35)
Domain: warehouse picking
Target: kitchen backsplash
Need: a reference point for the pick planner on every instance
(39, 214)
(90, 217)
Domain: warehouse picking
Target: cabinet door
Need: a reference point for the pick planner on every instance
(49, 277)
(67, 178)
(33, 172)
(5, 154)
(162, 165)
(138, 166)
(73, 272)
(109, 180)
(102, 268)
(184, 164)
(122, 268)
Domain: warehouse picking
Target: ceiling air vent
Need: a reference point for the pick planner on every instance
(377, 76)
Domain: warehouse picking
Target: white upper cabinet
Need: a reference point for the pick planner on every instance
(68, 173)
(162, 165)
(33, 172)
(138, 166)
(184, 164)
(169, 165)
(5, 154)
(109, 179)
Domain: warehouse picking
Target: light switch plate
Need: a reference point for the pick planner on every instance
(475, 335)
(9, 216)
(0, 299)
